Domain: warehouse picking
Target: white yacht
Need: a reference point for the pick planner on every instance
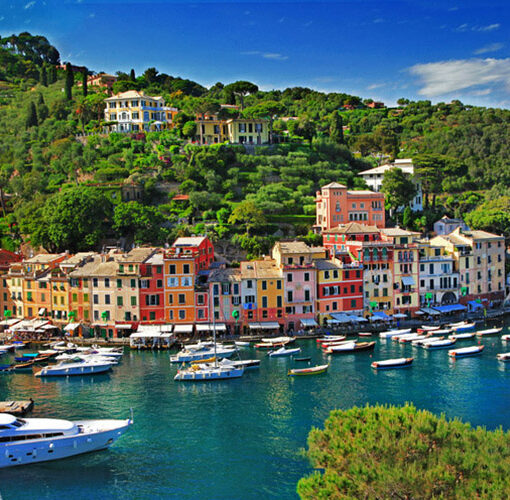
(64, 368)
(187, 355)
(31, 440)
(200, 373)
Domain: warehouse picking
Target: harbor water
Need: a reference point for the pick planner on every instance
(243, 438)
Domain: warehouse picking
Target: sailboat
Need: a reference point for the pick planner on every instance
(209, 372)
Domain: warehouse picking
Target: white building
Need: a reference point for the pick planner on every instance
(133, 111)
(374, 178)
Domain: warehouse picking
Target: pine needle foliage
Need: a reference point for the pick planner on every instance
(382, 452)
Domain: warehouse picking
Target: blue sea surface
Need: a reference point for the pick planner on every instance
(237, 439)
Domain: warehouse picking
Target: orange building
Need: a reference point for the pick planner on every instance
(337, 205)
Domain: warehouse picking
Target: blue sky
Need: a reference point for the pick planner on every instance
(437, 50)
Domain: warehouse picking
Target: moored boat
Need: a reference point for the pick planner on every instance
(331, 338)
(464, 352)
(462, 336)
(64, 369)
(490, 331)
(503, 356)
(406, 339)
(350, 347)
(506, 338)
(186, 355)
(207, 373)
(391, 333)
(305, 358)
(426, 328)
(240, 343)
(284, 352)
(312, 370)
(388, 364)
(365, 334)
(439, 344)
(278, 340)
(426, 340)
(465, 327)
(32, 440)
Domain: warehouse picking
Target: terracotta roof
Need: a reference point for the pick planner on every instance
(353, 228)
(136, 255)
(222, 275)
(44, 258)
(333, 185)
(297, 247)
(324, 264)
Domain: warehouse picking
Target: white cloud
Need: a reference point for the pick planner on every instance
(92, 15)
(493, 47)
(29, 5)
(490, 27)
(481, 92)
(275, 56)
(376, 86)
(467, 27)
(443, 77)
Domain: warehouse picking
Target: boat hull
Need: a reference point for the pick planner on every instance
(405, 363)
(207, 376)
(303, 372)
(67, 372)
(44, 450)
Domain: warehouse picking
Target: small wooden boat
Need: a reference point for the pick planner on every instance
(307, 358)
(278, 340)
(426, 340)
(426, 328)
(463, 328)
(326, 345)
(312, 370)
(406, 336)
(17, 408)
(284, 352)
(365, 334)
(240, 343)
(331, 338)
(490, 331)
(459, 323)
(464, 352)
(389, 364)
(462, 336)
(439, 344)
(22, 367)
(265, 345)
(504, 356)
(391, 333)
(351, 347)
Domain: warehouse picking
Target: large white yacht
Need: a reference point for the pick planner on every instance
(25, 441)
(70, 367)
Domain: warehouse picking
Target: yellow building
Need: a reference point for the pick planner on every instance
(14, 280)
(211, 130)
(133, 111)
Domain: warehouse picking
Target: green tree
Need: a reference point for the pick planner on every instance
(189, 129)
(405, 453)
(132, 76)
(69, 82)
(248, 215)
(140, 222)
(31, 120)
(43, 76)
(407, 218)
(336, 130)
(268, 110)
(241, 89)
(74, 219)
(492, 215)
(398, 188)
(85, 83)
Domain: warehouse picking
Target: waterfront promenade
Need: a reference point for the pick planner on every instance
(238, 439)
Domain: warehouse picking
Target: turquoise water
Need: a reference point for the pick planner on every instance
(238, 439)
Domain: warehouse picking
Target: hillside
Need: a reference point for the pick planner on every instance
(60, 193)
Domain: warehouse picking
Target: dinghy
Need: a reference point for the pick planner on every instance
(391, 333)
(350, 348)
(464, 352)
(312, 370)
(331, 338)
(490, 331)
(284, 352)
(462, 336)
(392, 363)
(439, 344)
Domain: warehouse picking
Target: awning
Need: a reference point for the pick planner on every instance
(269, 325)
(450, 308)
(48, 327)
(475, 305)
(358, 319)
(430, 311)
(209, 327)
(340, 318)
(101, 324)
(308, 322)
(407, 281)
(145, 335)
(183, 329)
(381, 315)
(166, 328)
(71, 326)
(9, 322)
(124, 326)
(400, 316)
(376, 318)
(42, 311)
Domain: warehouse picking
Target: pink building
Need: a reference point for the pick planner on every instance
(337, 205)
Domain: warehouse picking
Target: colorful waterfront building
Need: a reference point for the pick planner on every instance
(80, 290)
(337, 205)
(296, 260)
(225, 291)
(7, 301)
(200, 246)
(480, 261)
(15, 281)
(152, 290)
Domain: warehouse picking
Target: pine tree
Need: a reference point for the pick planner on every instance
(132, 76)
(52, 75)
(69, 82)
(43, 76)
(32, 116)
(40, 99)
(84, 84)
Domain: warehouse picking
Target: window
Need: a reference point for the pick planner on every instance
(75, 297)
(133, 283)
(152, 315)
(107, 299)
(95, 299)
(249, 284)
(119, 283)
(159, 284)
(182, 314)
(236, 289)
(307, 276)
(94, 281)
(172, 282)
(335, 274)
(279, 301)
(264, 285)
(307, 295)
(264, 301)
(107, 282)
(290, 296)
(185, 269)
(171, 269)
(133, 300)
(353, 303)
(182, 298)
(120, 301)
(326, 275)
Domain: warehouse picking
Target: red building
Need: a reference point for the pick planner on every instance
(152, 291)
(202, 247)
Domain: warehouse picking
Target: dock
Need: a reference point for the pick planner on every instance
(17, 408)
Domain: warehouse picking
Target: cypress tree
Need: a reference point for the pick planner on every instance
(40, 99)
(43, 76)
(132, 76)
(69, 82)
(84, 84)
(52, 74)
(32, 116)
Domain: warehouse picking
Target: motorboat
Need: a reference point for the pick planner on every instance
(406, 339)
(352, 347)
(463, 328)
(7, 347)
(506, 338)
(426, 340)
(64, 369)
(278, 340)
(240, 343)
(282, 351)
(389, 364)
(462, 336)
(504, 356)
(186, 356)
(241, 363)
(365, 334)
(439, 344)
(83, 357)
(201, 373)
(31, 440)
(331, 338)
(490, 331)
(464, 352)
(326, 345)
(311, 370)
(391, 333)
(427, 328)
